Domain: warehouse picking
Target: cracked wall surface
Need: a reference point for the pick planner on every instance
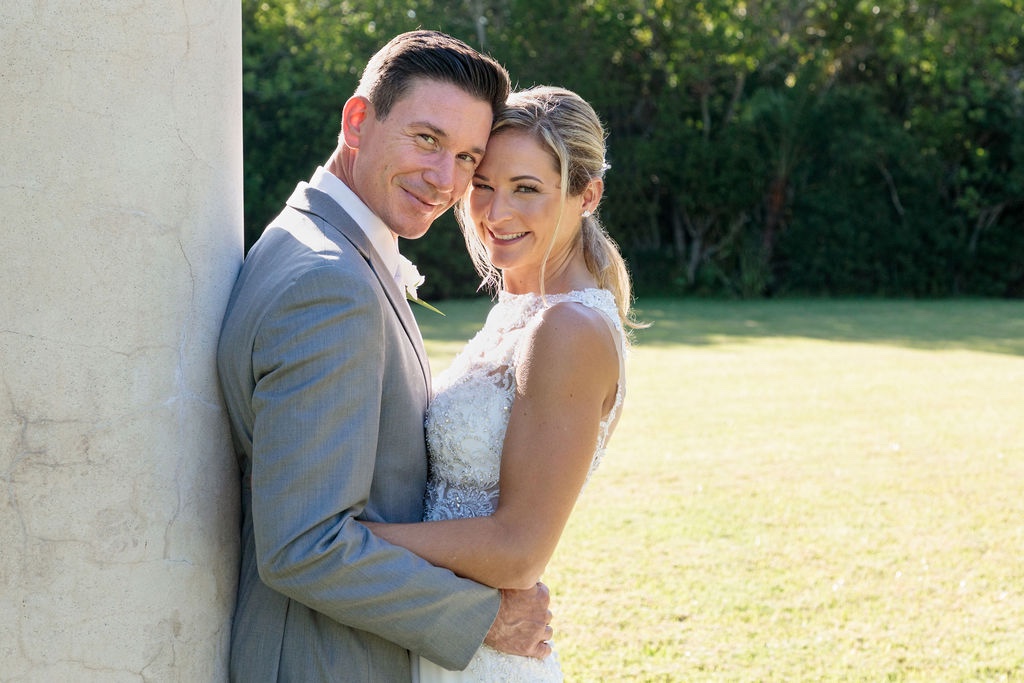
(121, 184)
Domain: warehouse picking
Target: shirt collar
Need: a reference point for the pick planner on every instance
(380, 236)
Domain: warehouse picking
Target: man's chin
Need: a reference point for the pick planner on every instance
(413, 231)
(417, 226)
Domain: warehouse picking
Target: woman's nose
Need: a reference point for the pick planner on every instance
(497, 208)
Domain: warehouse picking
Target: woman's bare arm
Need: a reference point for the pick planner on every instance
(564, 388)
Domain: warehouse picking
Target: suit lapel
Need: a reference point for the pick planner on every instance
(310, 200)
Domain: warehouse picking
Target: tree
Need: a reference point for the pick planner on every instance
(757, 147)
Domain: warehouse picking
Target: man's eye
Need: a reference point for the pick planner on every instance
(429, 139)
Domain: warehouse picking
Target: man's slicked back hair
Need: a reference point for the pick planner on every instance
(436, 56)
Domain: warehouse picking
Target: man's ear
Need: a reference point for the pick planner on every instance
(354, 114)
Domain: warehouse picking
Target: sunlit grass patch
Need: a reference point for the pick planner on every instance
(802, 490)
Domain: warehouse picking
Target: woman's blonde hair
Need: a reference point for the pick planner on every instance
(571, 130)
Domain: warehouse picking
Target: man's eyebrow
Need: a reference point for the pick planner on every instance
(440, 133)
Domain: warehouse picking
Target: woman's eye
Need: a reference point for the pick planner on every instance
(526, 189)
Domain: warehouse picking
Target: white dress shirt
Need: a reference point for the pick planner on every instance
(380, 236)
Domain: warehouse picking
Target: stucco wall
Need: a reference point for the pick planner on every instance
(121, 191)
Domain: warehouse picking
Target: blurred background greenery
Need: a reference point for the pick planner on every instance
(758, 149)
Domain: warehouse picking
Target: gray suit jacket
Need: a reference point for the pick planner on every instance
(326, 383)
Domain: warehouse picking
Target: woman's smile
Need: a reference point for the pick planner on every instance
(509, 237)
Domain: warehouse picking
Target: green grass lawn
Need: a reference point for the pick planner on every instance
(800, 491)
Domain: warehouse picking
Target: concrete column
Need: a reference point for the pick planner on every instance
(121, 234)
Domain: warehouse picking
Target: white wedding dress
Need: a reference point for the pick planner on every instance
(466, 426)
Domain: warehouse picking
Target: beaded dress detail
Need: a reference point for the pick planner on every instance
(466, 425)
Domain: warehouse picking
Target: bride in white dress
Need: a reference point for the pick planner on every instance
(522, 417)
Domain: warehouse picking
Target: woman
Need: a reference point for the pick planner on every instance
(527, 407)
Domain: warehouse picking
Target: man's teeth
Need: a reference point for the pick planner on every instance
(508, 238)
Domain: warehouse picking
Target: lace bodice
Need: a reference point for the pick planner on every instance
(466, 426)
(469, 413)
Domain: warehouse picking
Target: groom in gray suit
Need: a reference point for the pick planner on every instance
(326, 383)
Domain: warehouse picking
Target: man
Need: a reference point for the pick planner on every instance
(326, 383)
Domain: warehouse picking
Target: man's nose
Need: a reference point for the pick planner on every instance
(441, 175)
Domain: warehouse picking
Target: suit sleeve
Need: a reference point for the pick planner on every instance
(318, 365)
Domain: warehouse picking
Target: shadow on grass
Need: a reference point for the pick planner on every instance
(995, 326)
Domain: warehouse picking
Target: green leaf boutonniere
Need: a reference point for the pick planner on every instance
(421, 302)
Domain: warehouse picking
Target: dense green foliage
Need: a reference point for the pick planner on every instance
(826, 147)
